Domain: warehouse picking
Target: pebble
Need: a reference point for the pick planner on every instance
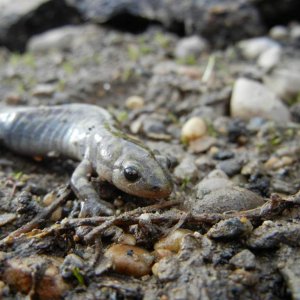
(190, 46)
(224, 199)
(187, 169)
(295, 111)
(270, 58)
(230, 229)
(254, 47)
(252, 99)
(223, 155)
(289, 267)
(274, 162)
(166, 269)
(285, 187)
(135, 102)
(43, 90)
(173, 240)
(193, 129)
(130, 260)
(279, 32)
(295, 32)
(6, 218)
(71, 261)
(230, 166)
(284, 82)
(18, 272)
(244, 259)
(202, 145)
(271, 234)
(246, 278)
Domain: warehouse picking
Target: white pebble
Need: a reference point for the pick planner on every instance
(193, 129)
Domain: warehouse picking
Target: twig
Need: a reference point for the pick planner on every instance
(127, 215)
(275, 206)
(40, 218)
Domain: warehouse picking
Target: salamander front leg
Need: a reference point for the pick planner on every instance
(92, 205)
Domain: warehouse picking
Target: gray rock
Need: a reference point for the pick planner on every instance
(253, 48)
(187, 169)
(295, 111)
(270, 58)
(279, 32)
(190, 46)
(230, 229)
(230, 166)
(252, 99)
(194, 16)
(285, 83)
(289, 267)
(225, 199)
(63, 39)
(272, 234)
(19, 21)
(244, 259)
(295, 32)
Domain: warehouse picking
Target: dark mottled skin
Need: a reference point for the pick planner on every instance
(89, 134)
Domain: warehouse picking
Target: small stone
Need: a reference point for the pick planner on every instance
(251, 99)
(202, 144)
(246, 278)
(7, 218)
(275, 163)
(166, 269)
(127, 239)
(279, 32)
(295, 111)
(190, 46)
(173, 240)
(254, 47)
(193, 129)
(130, 260)
(71, 262)
(223, 155)
(244, 259)
(19, 273)
(270, 58)
(284, 82)
(187, 169)
(230, 166)
(283, 186)
(295, 32)
(225, 199)
(230, 229)
(43, 90)
(13, 99)
(271, 234)
(210, 184)
(135, 102)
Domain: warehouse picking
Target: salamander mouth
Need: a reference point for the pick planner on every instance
(156, 192)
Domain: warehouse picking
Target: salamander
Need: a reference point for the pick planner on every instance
(91, 135)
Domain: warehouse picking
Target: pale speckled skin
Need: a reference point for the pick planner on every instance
(89, 134)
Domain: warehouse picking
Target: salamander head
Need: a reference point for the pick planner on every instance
(139, 173)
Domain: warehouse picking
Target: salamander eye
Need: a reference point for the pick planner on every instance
(131, 174)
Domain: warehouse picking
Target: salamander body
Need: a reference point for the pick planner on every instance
(89, 134)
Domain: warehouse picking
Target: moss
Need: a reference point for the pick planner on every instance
(189, 60)
(133, 53)
(77, 274)
(161, 40)
(68, 68)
